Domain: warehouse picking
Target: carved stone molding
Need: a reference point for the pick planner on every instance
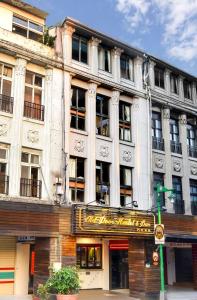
(104, 151)
(92, 89)
(3, 129)
(79, 145)
(20, 70)
(177, 166)
(193, 170)
(159, 162)
(69, 30)
(183, 119)
(166, 113)
(127, 156)
(33, 136)
(95, 42)
(49, 75)
(117, 51)
(115, 98)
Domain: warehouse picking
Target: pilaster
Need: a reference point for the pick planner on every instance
(138, 61)
(90, 167)
(94, 43)
(16, 131)
(115, 166)
(194, 93)
(167, 81)
(67, 43)
(152, 74)
(181, 92)
(116, 52)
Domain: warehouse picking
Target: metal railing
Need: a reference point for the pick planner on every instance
(194, 208)
(179, 207)
(30, 187)
(158, 143)
(4, 184)
(192, 151)
(34, 111)
(176, 147)
(6, 103)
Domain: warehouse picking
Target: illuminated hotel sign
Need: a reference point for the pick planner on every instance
(111, 221)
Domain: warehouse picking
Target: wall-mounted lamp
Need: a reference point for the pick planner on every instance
(59, 192)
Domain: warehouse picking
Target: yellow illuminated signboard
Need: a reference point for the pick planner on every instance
(103, 220)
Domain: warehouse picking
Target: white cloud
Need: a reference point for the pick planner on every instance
(178, 19)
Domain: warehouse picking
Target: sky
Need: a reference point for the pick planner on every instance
(166, 29)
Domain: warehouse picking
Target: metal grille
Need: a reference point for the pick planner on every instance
(158, 143)
(176, 147)
(30, 188)
(4, 184)
(34, 111)
(179, 207)
(192, 151)
(6, 103)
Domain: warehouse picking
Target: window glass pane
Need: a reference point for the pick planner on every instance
(105, 107)
(83, 254)
(73, 197)
(127, 113)
(28, 94)
(127, 133)
(20, 21)
(90, 257)
(34, 159)
(3, 153)
(81, 123)
(29, 78)
(105, 172)
(25, 172)
(35, 36)
(19, 30)
(127, 177)
(80, 196)
(84, 49)
(74, 97)
(81, 98)
(37, 96)
(2, 168)
(80, 168)
(36, 26)
(7, 86)
(98, 256)
(75, 48)
(7, 71)
(98, 104)
(73, 122)
(25, 157)
(38, 81)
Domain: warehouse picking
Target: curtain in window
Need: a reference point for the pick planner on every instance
(127, 113)
(72, 168)
(101, 59)
(128, 177)
(130, 69)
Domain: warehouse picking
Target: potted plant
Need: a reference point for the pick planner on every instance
(64, 283)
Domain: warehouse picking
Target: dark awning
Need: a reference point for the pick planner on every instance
(191, 239)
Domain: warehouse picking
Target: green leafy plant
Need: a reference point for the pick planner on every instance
(48, 40)
(42, 292)
(64, 282)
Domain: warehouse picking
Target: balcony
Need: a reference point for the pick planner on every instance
(30, 188)
(176, 147)
(179, 207)
(157, 143)
(34, 111)
(4, 184)
(194, 208)
(6, 104)
(192, 151)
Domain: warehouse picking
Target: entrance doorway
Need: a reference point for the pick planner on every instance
(183, 265)
(119, 278)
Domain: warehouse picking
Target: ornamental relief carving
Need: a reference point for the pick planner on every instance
(177, 166)
(20, 70)
(183, 119)
(127, 156)
(159, 162)
(3, 129)
(194, 170)
(79, 145)
(33, 136)
(104, 151)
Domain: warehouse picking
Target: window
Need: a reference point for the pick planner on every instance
(191, 140)
(187, 88)
(158, 142)
(179, 203)
(76, 181)
(158, 178)
(78, 108)
(159, 77)
(27, 28)
(125, 121)
(79, 49)
(89, 256)
(193, 196)
(104, 59)
(6, 101)
(126, 67)
(174, 136)
(4, 179)
(30, 185)
(102, 115)
(174, 81)
(33, 96)
(125, 186)
(102, 182)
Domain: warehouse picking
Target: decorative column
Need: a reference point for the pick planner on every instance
(114, 134)
(67, 43)
(16, 131)
(138, 61)
(167, 81)
(194, 93)
(185, 178)
(167, 145)
(116, 52)
(152, 74)
(90, 166)
(141, 135)
(181, 92)
(94, 43)
(46, 166)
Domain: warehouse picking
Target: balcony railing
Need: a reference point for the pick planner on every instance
(194, 208)
(179, 207)
(6, 103)
(30, 188)
(176, 147)
(192, 151)
(34, 111)
(158, 143)
(4, 184)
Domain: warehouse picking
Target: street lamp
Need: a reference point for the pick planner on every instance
(162, 189)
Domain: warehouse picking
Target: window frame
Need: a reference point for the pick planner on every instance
(102, 116)
(126, 73)
(76, 183)
(80, 39)
(126, 191)
(187, 89)
(155, 127)
(160, 79)
(99, 183)
(4, 77)
(78, 112)
(174, 84)
(178, 194)
(123, 124)
(174, 136)
(86, 246)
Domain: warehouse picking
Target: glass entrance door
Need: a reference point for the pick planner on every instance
(119, 269)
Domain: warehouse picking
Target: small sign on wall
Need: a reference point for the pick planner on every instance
(159, 234)
(23, 239)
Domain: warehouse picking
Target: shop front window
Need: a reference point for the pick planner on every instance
(89, 256)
